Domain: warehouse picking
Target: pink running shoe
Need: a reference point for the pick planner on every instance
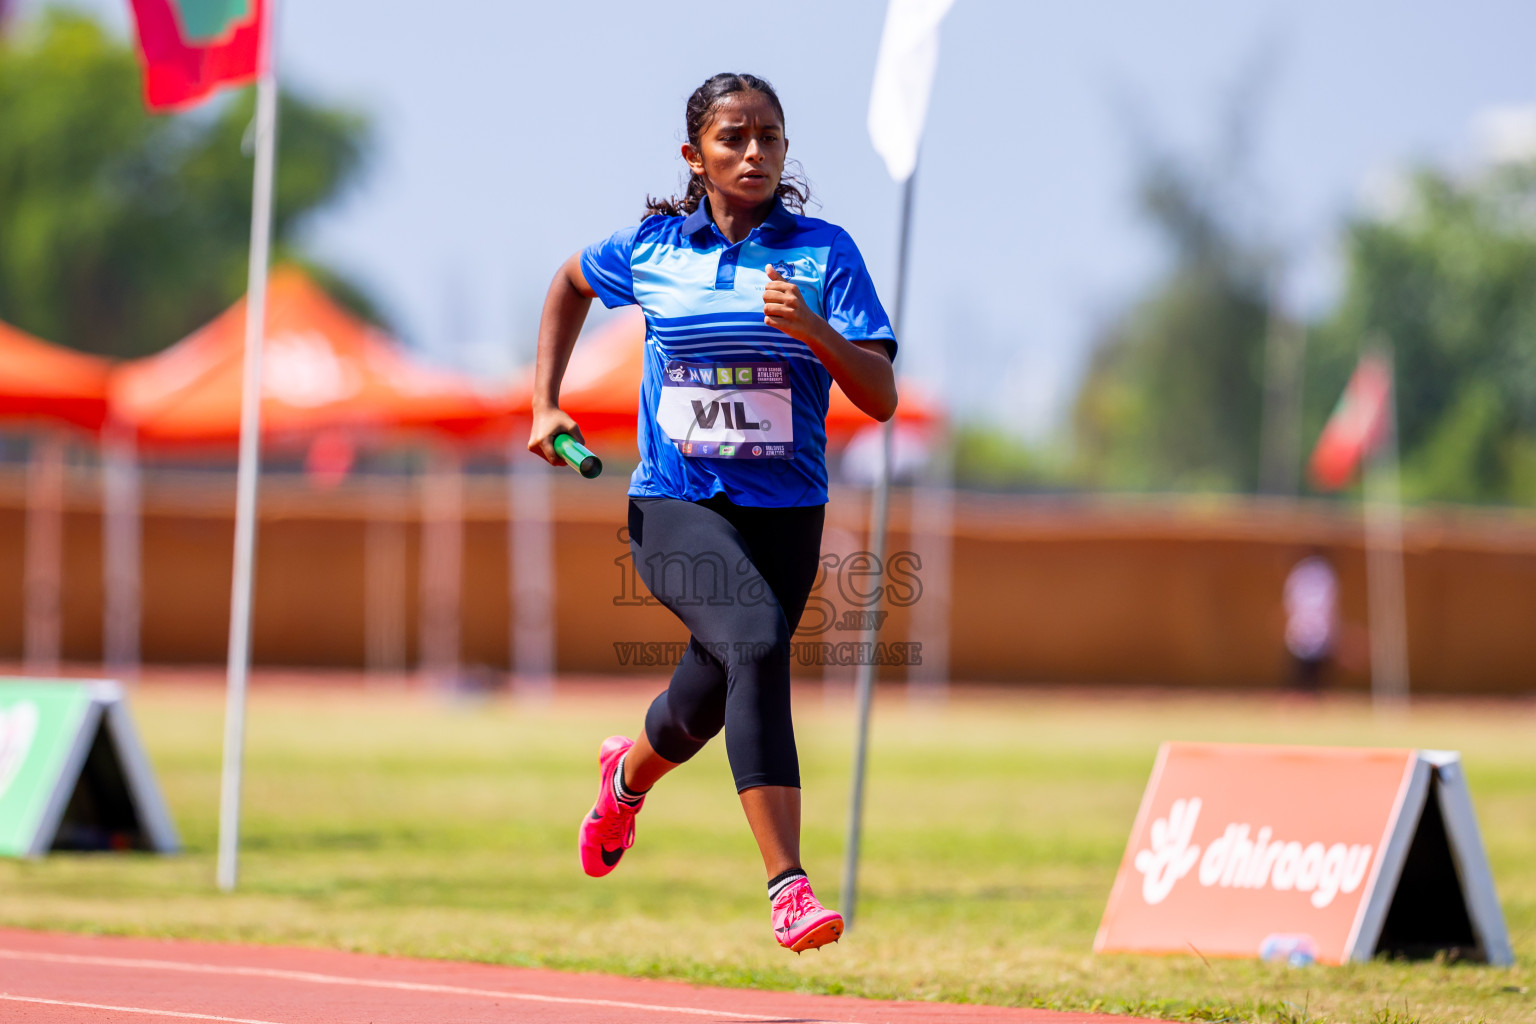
(609, 828)
(800, 922)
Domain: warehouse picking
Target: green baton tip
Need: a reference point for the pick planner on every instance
(579, 457)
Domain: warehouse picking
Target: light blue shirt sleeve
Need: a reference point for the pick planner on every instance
(606, 267)
(848, 297)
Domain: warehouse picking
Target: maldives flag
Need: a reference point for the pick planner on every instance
(1357, 426)
(192, 47)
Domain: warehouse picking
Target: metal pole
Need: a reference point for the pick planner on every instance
(442, 556)
(385, 561)
(44, 558)
(249, 469)
(864, 683)
(1385, 585)
(933, 522)
(122, 554)
(1285, 346)
(531, 547)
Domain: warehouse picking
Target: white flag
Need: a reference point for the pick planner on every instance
(898, 103)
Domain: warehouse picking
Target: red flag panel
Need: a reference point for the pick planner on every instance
(1357, 425)
(178, 73)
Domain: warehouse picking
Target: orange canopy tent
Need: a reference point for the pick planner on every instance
(43, 384)
(49, 382)
(601, 388)
(322, 370)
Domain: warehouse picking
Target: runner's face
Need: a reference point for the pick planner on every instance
(741, 150)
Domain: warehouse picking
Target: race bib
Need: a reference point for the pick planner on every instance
(728, 411)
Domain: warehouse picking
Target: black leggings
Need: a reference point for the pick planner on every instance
(738, 577)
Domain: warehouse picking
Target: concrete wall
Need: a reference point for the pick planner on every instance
(1181, 592)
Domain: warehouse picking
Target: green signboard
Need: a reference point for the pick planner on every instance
(72, 772)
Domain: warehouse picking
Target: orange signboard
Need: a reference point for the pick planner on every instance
(1238, 849)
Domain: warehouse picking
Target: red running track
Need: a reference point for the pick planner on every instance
(86, 979)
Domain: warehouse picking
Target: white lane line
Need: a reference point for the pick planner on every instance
(129, 1009)
(398, 986)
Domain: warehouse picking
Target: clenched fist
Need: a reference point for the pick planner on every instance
(785, 308)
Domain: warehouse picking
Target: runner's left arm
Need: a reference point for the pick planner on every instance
(565, 310)
(861, 368)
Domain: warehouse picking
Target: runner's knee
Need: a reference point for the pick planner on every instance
(762, 643)
(678, 724)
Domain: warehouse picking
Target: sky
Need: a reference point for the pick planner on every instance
(511, 134)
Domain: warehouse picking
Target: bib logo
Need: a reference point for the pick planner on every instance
(1234, 861)
(18, 727)
(676, 372)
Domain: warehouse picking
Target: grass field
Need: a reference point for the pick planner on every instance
(395, 823)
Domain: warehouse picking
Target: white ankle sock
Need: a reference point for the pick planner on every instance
(782, 881)
(621, 792)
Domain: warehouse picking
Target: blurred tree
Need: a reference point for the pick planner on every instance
(1449, 278)
(989, 456)
(1173, 395)
(121, 231)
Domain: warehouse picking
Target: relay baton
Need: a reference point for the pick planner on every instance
(581, 459)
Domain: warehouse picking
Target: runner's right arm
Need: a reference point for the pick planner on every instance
(565, 310)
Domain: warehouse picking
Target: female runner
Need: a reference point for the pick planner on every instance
(752, 311)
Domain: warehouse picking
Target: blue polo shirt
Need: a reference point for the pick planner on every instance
(728, 404)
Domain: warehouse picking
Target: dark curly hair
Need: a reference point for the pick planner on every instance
(793, 191)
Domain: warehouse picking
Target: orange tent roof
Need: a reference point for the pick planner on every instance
(322, 369)
(43, 381)
(601, 388)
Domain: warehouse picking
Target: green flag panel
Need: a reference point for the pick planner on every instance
(208, 21)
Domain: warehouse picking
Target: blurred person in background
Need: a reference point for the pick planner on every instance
(1311, 600)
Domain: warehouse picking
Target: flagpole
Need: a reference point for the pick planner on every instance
(1285, 343)
(250, 462)
(1385, 585)
(864, 680)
